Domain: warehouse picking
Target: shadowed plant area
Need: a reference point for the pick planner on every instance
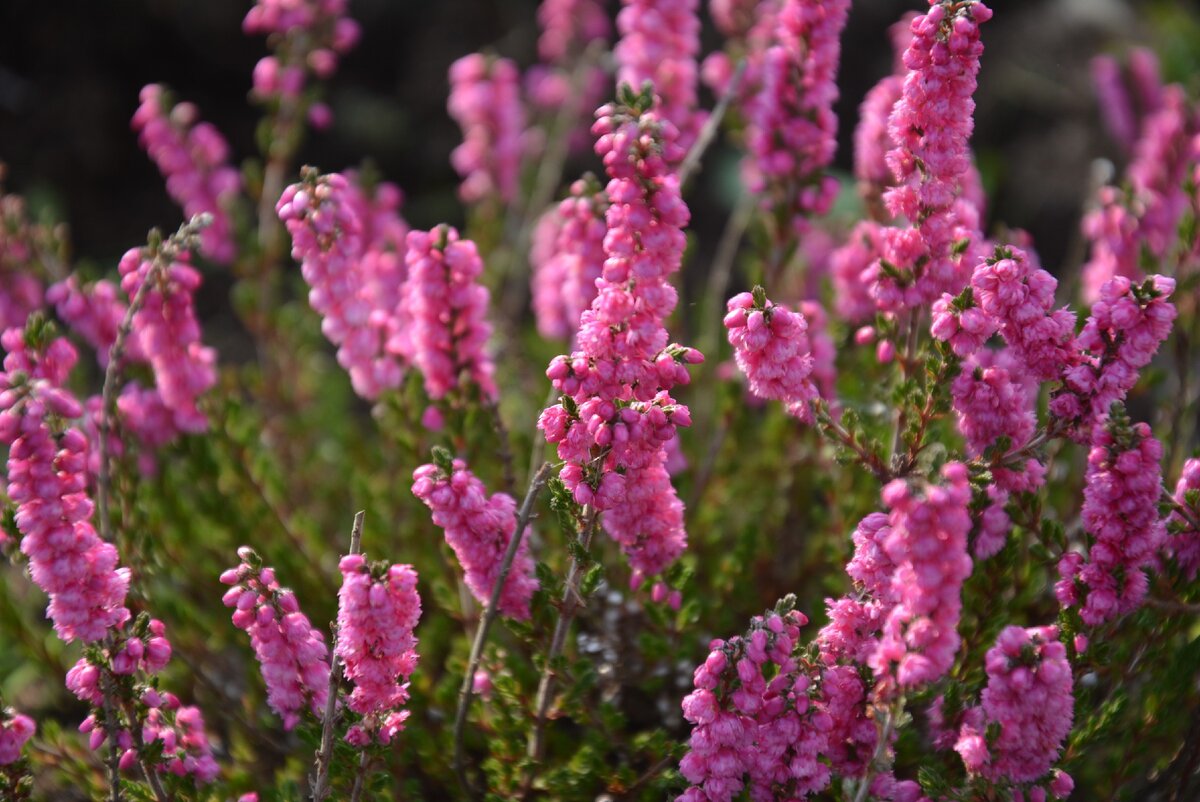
(600, 400)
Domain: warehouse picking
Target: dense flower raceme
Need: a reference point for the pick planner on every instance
(47, 480)
(772, 348)
(569, 24)
(1126, 108)
(378, 608)
(194, 159)
(23, 243)
(1017, 298)
(307, 37)
(1184, 543)
(792, 130)
(348, 246)
(872, 141)
(1143, 219)
(660, 40)
(169, 334)
(617, 413)
(479, 528)
(769, 733)
(927, 543)
(1120, 337)
(291, 652)
(1120, 516)
(1029, 698)
(15, 730)
(448, 308)
(567, 257)
(485, 100)
(930, 126)
(94, 312)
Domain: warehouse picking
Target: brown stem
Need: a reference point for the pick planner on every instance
(711, 125)
(485, 624)
(320, 785)
(360, 777)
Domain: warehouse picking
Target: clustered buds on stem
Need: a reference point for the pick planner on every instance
(291, 652)
(772, 347)
(378, 608)
(15, 730)
(479, 529)
(485, 100)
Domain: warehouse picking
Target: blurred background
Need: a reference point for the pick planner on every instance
(70, 72)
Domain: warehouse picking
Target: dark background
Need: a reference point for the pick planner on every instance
(70, 74)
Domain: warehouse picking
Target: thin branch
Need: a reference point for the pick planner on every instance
(1182, 510)
(112, 727)
(711, 125)
(360, 777)
(1172, 606)
(881, 746)
(570, 605)
(320, 786)
(139, 745)
(489, 616)
(505, 448)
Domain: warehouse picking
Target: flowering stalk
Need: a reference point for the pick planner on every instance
(485, 100)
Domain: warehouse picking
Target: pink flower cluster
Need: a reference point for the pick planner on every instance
(872, 140)
(308, 37)
(47, 480)
(756, 718)
(659, 42)
(177, 730)
(772, 348)
(291, 652)
(448, 309)
(1145, 218)
(1120, 514)
(169, 334)
(791, 134)
(1117, 102)
(479, 529)
(617, 413)
(348, 247)
(485, 100)
(930, 126)
(194, 159)
(567, 257)
(94, 312)
(378, 608)
(853, 268)
(1029, 699)
(1121, 336)
(568, 25)
(1017, 297)
(992, 402)
(1184, 543)
(21, 241)
(15, 730)
(927, 544)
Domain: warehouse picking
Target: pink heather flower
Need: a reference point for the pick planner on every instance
(309, 37)
(1145, 218)
(1115, 107)
(851, 269)
(1018, 297)
(992, 403)
(1029, 698)
(448, 309)
(930, 126)
(169, 334)
(760, 719)
(822, 348)
(771, 346)
(959, 322)
(1120, 515)
(15, 730)
(378, 608)
(612, 427)
(349, 247)
(659, 42)
(791, 133)
(567, 257)
(485, 101)
(94, 312)
(194, 159)
(569, 26)
(479, 529)
(47, 481)
(290, 651)
(1121, 336)
(928, 545)
(872, 141)
(1184, 544)
(186, 751)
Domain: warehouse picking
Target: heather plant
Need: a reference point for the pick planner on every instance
(553, 501)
